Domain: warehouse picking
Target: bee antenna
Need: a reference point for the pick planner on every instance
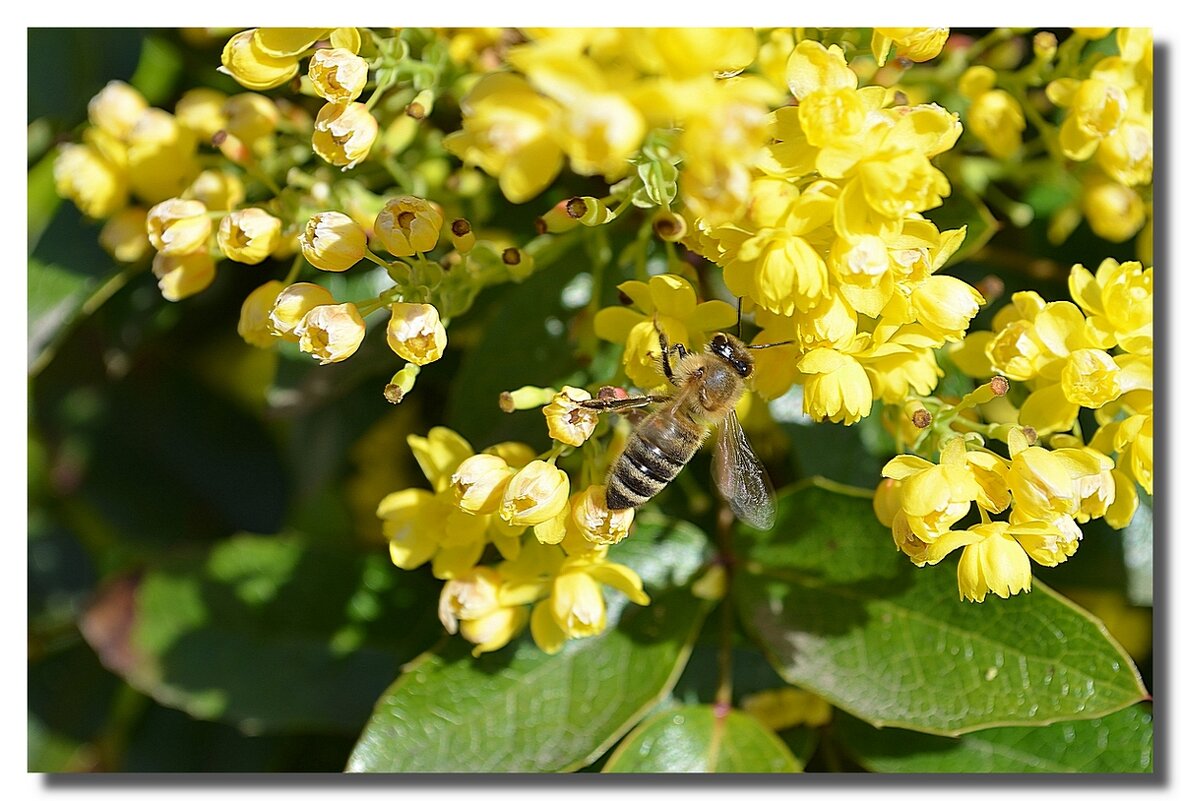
(770, 344)
(739, 301)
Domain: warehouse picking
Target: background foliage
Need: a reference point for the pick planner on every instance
(209, 591)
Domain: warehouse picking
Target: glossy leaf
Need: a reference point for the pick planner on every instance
(692, 739)
(842, 614)
(267, 633)
(1117, 743)
(519, 710)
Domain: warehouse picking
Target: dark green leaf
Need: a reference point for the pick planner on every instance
(692, 739)
(265, 632)
(1117, 743)
(842, 614)
(519, 710)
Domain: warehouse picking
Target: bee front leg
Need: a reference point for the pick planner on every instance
(622, 404)
(681, 352)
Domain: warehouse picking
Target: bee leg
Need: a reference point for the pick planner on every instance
(681, 352)
(622, 404)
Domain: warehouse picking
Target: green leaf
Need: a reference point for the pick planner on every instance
(841, 613)
(1117, 743)
(692, 739)
(266, 633)
(159, 69)
(519, 710)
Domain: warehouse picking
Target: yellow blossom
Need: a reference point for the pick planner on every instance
(116, 108)
(416, 333)
(469, 604)
(252, 118)
(161, 156)
(510, 132)
(575, 607)
(331, 332)
(992, 561)
(254, 323)
(287, 42)
(479, 482)
(934, 497)
(178, 227)
(945, 305)
(996, 119)
(332, 241)
(569, 422)
(598, 524)
(344, 133)
(1117, 299)
(201, 111)
(337, 75)
(248, 235)
(836, 386)
(408, 225)
(292, 303)
(86, 176)
(125, 236)
(1094, 110)
(916, 44)
(219, 190)
(1114, 211)
(537, 493)
(180, 276)
(667, 300)
(246, 62)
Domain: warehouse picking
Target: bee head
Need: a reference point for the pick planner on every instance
(733, 352)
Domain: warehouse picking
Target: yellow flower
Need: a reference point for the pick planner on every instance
(598, 524)
(669, 301)
(416, 333)
(125, 235)
(478, 483)
(1118, 302)
(408, 225)
(252, 118)
(996, 119)
(575, 607)
(1042, 481)
(1114, 211)
(331, 332)
(246, 62)
(254, 323)
(332, 241)
(934, 497)
(217, 189)
(183, 275)
(469, 604)
(201, 111)
(537, 493)
(836, 386)
(292, 303)
(510, 132)
(116, 108)
(1126, 155)
(1095, 109)
(915, 44)
(1090, 378)
(993, 560)
(161, 156)
(285, 42)
(248, 235)
(85, 175)
(337, 75)
(567, 421)
(344, 133)
(178, 227)
(945, 305)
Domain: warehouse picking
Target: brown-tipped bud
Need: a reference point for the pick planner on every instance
(462, 237)
(421, 105)
(461, 227)
(1030, 434)
(506, 402)
(231, 147)
(511, 256)
(999, 385)
(393, 393)
(669, 226)
(921, 418)
(576, 207)
(1045, 45)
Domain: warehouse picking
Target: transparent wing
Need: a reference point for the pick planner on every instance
(741, 477)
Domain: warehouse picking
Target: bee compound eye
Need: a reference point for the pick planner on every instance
(719, 341)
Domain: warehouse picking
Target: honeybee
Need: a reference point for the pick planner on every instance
(708, 386)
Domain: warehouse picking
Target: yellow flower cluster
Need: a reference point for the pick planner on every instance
(1045, 492)
(1108, 128)
(553, 545)
(1094, 353)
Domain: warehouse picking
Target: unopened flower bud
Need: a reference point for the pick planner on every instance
(596, 213)
(408, 225)
(999, 385)
(331, 333)
(568, 421)
(537, 493)
(561, 217)
(178, 227)
(462, 238)
(337, 75)
(519, 263)
(416, 333)
(231, 147)
(921, 418)
(1045, 45)
(332, 241)
(183, 275)
(293, 303)
(253, 67)
(248, 235)
(598, 524)
(116, 108)
(254, 323)
(527, 397)
(422, 105)
(669, 226)
(478, 483)
(219, 190)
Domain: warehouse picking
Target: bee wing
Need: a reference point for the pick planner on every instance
(741, 477)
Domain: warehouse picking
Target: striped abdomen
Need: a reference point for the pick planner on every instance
(656, 451)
